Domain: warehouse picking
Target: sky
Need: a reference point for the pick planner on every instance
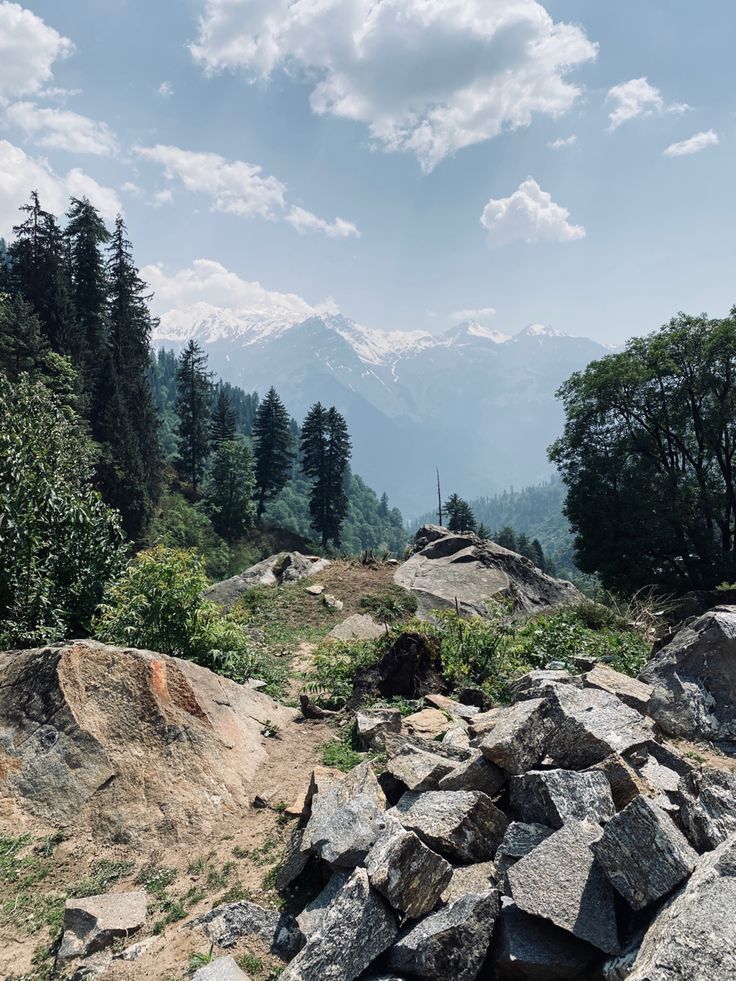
(411, 163)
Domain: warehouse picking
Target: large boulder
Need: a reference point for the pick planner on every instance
(708, 809)
(95, 922)
(553, 797)
(519, 735)
(449, 569)
(694, 679)
(526, 947)
(465, 826)
(411, 668)
(225, 925)
(130, 741)
(281, 569)
(408, 874)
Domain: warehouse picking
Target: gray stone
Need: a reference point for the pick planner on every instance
(624, 781)
(518, 740)
(643, 854)
(332, 602)
(359, 626)
(294, 861)
(225, 925)
(477, 773)
(693, 937)
(356, 928)
(94, 922)
(694, 679)
(525, 947)
(633, 693)
(281, 569)
(519, 840)
(466, 879)
(708, 811)
(372, 725)
(417, 769)
(540, 684)
(408, 874)
(561, 881)
(310, 918)
(553, 797)
(450, 944)
(457, 754)
(465, 826)
(449, 705)
(457, 735)
(221, 969)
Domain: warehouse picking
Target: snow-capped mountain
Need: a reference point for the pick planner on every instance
(474, 401)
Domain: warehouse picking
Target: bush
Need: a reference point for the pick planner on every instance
(180, 524)
(392, 605)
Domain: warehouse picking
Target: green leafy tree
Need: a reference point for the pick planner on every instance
(460, 517)
(230, 489)
(222, 423)
(325, 449)
(273, 448)
(193, 398)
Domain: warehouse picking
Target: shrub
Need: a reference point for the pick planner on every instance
(392, 605)
(336, 664)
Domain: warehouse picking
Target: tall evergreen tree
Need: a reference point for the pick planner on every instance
(538, 555)
(325, 446)
(460, 517)
(506, 538)
(273, 449)
(222, 424)
(383, 506)
(230, 488)
(193, 399)
(22, 344)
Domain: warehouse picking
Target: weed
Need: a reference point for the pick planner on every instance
(199, 960)
(105, 873)
(235, 894)
(695, 757)
(391, 606)
(338, 754)
(270, 729)
(240, 852)
(155, 879)
(250, 963)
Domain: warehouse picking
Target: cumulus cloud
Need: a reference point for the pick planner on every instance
(529, 215)
(61, 129)
(693, 145)
(238, 188)
(563, 144)
(28, 50)
(166, 89)
(473, 313)
(20, 173)
(637, 98)
(425, 77)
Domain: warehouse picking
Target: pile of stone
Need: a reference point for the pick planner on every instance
(556, 838)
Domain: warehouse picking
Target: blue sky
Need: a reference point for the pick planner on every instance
(394, 156)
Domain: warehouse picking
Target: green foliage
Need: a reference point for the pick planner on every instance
(193, 399)
(460, 515)
(222, 424)
(229, 490)
(273, 448)
(182, 525)
(325, 449)
(339, 754)
(391, 605)
(335, 664)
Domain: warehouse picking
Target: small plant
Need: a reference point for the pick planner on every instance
(200, 960)
(339, 755)
(391, 606)
(240, 852)
(155, 879)
(270, 729)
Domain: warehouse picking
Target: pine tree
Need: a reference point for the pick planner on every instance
(506, 538)
(230, 488)
(273, 449)
(193, 398)
(325, 446)
(524, 546)
(483, 532)
(22, 344)
(222, 424)
(538, 555)
(383, 506)
(459, 514)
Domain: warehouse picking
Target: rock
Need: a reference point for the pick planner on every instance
(449, 705)
(553, 797)
(359, 626)
(469, 571)
(225, 925)
(457, 735)
(281, 569)
(316, 589)
(477, 773)
(94, 922)
(474, 697)
(465, 826)
(540, 684)
(408, 874)
(417, 769)
(708, 811)
(643, 854)
(310, 918)
(633, 693)
(561, 881)
(591, 725)
(519, 840)
(458, 754)
(526, 947)
(348, 815)
(411, 668)
(356, 929)
(449, 944)
(428, 724)
(693, 937)
(371, 726)
(332, 602)
(127, 741)
(623, 779)
(221, 969)
(663, 783)
(478, 878)
(694, 679)
(294, 862)
(519, 738)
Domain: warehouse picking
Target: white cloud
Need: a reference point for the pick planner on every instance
(61, 129)
(130, 187)
(563, 144)
(166, 89)
(20, 174)
(473, 313)
(638, 98)
(529, 215)
(28, 50)
(693, 145)
(161, 198)
(238, 188)
(427, 76)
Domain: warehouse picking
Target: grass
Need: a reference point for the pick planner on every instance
(337, 754)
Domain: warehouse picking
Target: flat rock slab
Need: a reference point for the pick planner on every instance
(221, 969)
(283, 568)
(359, 626)
(553, 797)
(561, 881)
(417, 769)
(93, 923)
(477, 773)
(428, 723)
(225, 925)
(464, 826)
(541, 684)
(519, 840)
(519, 737)
(445, 704)
(643, 854)
(372, 725)
(527, 947)
(407, 873)
(450, 945)
(634, 693)
(708, 810)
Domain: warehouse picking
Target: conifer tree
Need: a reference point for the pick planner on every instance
(273, 449)
(383, 506)
(537, 554)
(230, 488)
(524, 546)
(325, 447)
(193, 398)
(22, 344)
(222, 424)
(459, 514)
(506, 538)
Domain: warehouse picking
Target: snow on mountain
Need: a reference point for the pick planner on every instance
(539, 331)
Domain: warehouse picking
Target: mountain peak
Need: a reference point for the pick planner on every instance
(470, 330)
(540, 330)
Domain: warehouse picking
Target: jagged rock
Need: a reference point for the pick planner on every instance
(465, 826)
(332, 602)
(591, 725)
(693, 937)
(281, 569)
(94, 922)
(356, 929)
(694, 679)
(458, 754)
(310, 918)
(407, 873)
(623, 779)
(449, 944)
(359, 626)
(561, 881)
(708, 811)
(371, 726)
(411, 668)
(128, 741)
(221, 969)
(525, 947)
(477, 773)
(519, 738)
(664, 784)
(553, 797)
(316, 589)
(445, 704)
(633, 693)
(225, 925)
(475, 697)
(484, 722)
(428, 724)
(466, 879)
(417, 769)
(540, 684)
(348, 815)
(457, 735)
(643, 854)
(467, 571)
(294, 862)
(519, 840)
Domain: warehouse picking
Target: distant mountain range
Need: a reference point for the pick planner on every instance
(475, 402)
